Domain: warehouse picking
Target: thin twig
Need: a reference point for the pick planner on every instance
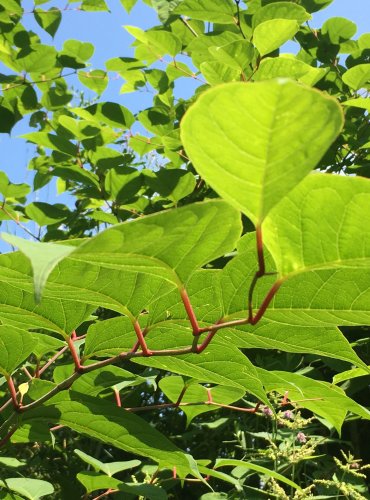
(184, 21)
(14, 219)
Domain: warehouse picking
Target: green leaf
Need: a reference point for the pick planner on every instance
(52, 141)
(10, 190)
(164, 8)
(199, 47)
(96, 80)
(99, 380)
(288, 67)
(36, 58)
(157, 120)
(171, 244)
(160, 42)
(255, 162)
(315, 5)
(81, 129)
(45, 214)
(350, 374)
(109, 113)
(43, 256)
(123, 183)
(226, 462)
(94, 5)
(115, 426)
(360, 102)
(11, 462)
(8, 117)
(48, 20)
(338, 29)
(109, 468)
(215, 11)
(237, 55)
(174, 184)
(93, 481)
(270, 35)
(15, 346)
(319, 225)
(357, 77)
(75, 53)
(128, 4)
(281, 10)
(33, 489)
(145, 490)
(216, 73)
(44, 344)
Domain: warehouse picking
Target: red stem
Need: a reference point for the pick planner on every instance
(190, 311)
(266, 302)
(13, 392)
(117, 397)
(141, 340)
(75, 356)
(137, 343)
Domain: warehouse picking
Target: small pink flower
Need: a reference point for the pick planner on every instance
(288, 415)
(267, 411)
(301, 437)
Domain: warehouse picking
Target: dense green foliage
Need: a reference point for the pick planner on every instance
(194, 325)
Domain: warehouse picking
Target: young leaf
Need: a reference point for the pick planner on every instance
(109, 468)
(43, 256)
(272, 135)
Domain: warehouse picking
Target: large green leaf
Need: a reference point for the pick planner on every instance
(170, 245)
(317, 298)
(320, 225)
(115, 426)
(254, 142)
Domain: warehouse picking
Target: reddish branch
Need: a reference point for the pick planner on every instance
(144, 352)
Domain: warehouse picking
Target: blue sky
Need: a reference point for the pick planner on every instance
(106, 32)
